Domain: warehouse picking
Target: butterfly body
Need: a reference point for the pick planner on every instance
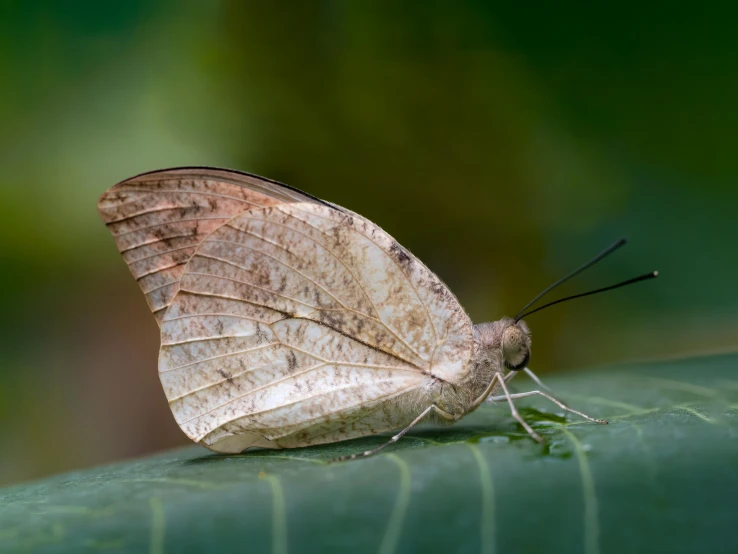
(288, 321)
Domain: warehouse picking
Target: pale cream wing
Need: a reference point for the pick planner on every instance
(237, 381)
(159, 218)
(297, 323)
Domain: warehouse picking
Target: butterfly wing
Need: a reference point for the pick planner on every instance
(158, 219)
(298, 323)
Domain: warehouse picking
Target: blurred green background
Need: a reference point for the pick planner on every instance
(503, 145)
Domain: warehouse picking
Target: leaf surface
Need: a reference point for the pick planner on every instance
(660, 478)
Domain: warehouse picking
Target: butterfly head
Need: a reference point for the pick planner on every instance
(516, 345)
(510, 340)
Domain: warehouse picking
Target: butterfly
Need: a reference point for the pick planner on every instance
(289, 321)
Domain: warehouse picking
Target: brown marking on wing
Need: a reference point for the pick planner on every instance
(158, 219)
(295, 322)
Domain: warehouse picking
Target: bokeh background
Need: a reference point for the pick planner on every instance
(502, 144)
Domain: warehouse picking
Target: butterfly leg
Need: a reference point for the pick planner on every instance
(482, 397)
(516, 415)
(535, 378)
(551, 398)
(394, 439)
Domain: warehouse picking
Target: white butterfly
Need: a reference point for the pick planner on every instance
(289, 321)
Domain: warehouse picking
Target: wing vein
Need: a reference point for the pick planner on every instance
(199, 438)
(139, 214)
(174, 222)
(220, 314)
(289, 377)
(162, 253)
(206, 339)
(311, 239)
(188, 192)
(160, 287)
(210, 385)
(378, 400)
(226, 297)
(357, 280)
(261, 346)
(288, 266)
(353, 364)
(338, 427)
(125, 250)
(254, 286)
(409, 281)
(157, 270)
(343, 306)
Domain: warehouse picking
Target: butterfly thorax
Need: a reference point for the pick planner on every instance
(497, 345)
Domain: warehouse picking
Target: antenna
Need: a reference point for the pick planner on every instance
(645, 277)
(607, 251)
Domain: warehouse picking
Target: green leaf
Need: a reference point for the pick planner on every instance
(662, 477)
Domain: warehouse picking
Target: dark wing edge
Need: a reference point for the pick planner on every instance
(210, 168)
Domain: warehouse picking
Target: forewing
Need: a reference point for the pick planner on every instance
(158, 219)
(299, 321)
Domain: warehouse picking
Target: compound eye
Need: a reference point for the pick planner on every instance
(515, 348)
(521, 364)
